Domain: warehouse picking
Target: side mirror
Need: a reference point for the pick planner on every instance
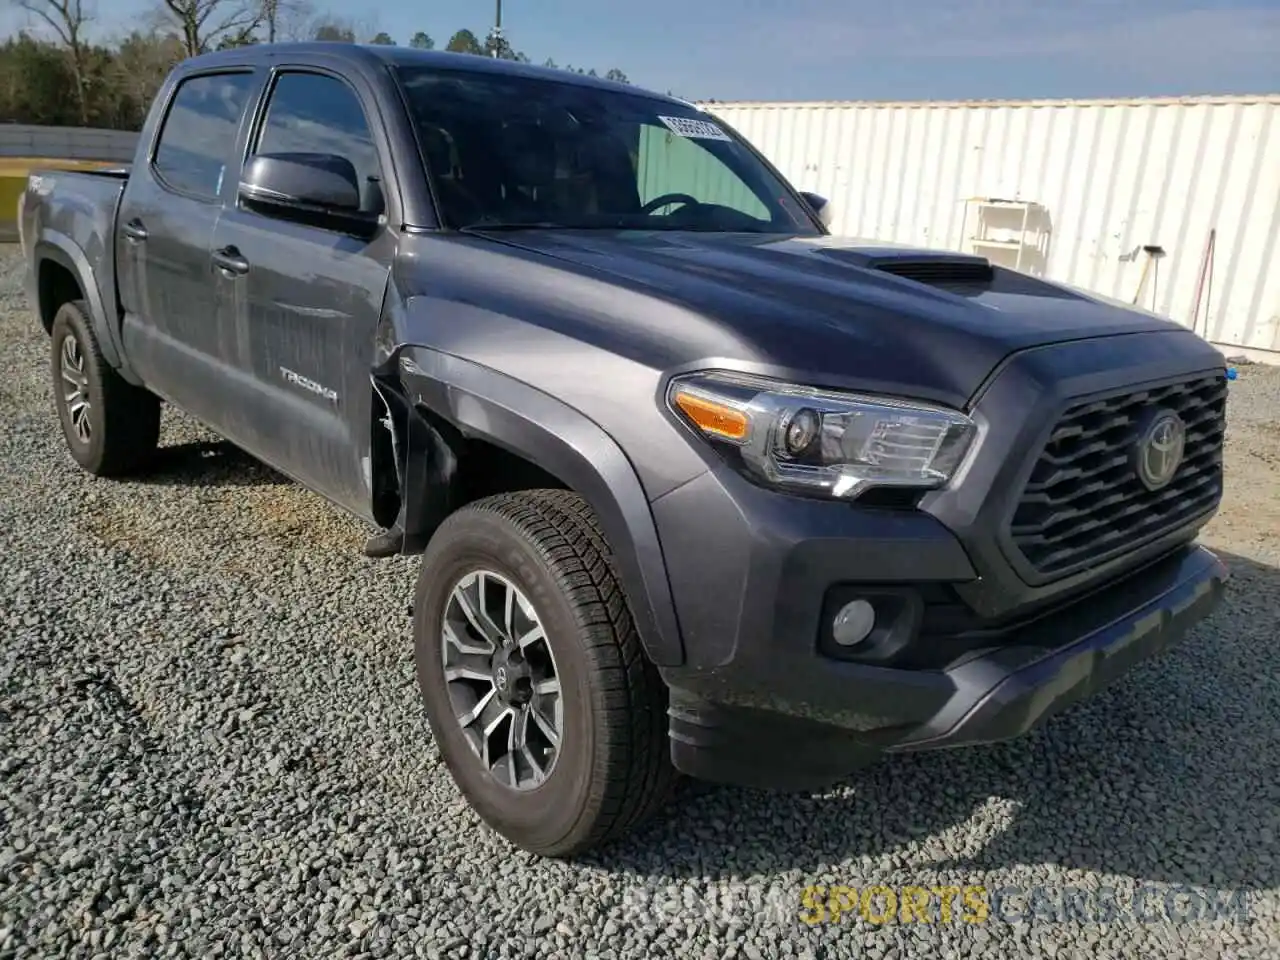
(821, 206)
(320, 188)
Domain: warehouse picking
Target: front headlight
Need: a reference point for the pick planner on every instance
(840, 444)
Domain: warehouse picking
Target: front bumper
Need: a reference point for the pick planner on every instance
(731, 726)
(968, 648)
(1005, 693)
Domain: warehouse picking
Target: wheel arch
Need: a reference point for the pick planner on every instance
(60, 269)
(449, 402)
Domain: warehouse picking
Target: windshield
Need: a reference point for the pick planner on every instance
(510, 151)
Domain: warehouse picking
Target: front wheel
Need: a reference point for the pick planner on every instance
(548, 715)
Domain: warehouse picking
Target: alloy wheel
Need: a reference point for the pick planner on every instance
(75, 388)
(501, 675)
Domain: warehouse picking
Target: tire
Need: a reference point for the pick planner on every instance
(612, 769)
(111, 427)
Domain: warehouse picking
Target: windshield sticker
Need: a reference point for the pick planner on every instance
(695, 129)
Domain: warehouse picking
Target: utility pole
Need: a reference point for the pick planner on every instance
(496, 45)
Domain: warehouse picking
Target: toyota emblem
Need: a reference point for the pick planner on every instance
(1160, 450)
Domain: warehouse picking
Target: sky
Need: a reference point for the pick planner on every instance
(859, 49)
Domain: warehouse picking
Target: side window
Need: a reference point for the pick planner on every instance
(313, 113)
(669, 163)
(199, 132)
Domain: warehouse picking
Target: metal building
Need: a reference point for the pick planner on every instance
(1093, 183)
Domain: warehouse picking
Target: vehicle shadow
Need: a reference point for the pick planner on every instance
(209, 463)
(1171, 775)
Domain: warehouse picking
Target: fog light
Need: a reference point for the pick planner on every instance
(853, 623)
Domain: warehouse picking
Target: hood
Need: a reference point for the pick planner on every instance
(842, 311)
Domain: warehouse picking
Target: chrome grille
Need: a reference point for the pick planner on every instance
(1084, 502)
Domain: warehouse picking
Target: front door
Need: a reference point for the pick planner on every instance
(301, 303)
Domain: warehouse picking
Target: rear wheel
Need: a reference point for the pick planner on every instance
(548, 715)
(110, 426)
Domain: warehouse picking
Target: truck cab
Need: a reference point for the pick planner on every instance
(212, 307)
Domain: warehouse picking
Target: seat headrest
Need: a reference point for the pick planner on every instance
(530, 154)
(438, 146)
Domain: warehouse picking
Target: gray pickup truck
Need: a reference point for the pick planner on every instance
(699, 488)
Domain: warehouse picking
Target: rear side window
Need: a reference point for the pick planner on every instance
(199, 133)
(314, 113)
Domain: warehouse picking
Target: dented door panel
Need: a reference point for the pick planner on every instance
(298, 330)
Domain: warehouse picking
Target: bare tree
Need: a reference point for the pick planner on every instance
(271, 18)
(290, 19)
(284, 19)
(68, 19)
(204, 23)
(138, 68)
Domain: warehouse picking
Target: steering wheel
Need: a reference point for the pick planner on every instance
(658, 202)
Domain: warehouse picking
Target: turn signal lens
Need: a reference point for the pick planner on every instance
(714, 418)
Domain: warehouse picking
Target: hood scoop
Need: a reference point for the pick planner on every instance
(938, 271)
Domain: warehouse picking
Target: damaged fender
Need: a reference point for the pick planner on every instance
(439, 393)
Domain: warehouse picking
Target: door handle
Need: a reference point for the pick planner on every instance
(230, 262)
(134, 231)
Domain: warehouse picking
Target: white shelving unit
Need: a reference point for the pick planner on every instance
(1008, 227)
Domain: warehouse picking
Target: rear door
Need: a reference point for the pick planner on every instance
(164, 228)
(304, 301)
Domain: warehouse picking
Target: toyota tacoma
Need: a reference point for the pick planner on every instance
(698, 487)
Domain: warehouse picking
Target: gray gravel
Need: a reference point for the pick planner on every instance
(211, 745)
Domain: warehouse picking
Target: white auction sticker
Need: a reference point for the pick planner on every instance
(695, 129)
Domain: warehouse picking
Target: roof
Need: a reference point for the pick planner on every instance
(372, 54)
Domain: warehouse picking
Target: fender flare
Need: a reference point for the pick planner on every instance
(60, 249)
(481, 403)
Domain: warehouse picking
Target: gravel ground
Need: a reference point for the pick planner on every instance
(211, 745)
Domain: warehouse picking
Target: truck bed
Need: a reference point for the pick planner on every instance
(74, 214)
(79, 204)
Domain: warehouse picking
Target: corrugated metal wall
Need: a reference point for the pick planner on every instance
(1113, 176)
